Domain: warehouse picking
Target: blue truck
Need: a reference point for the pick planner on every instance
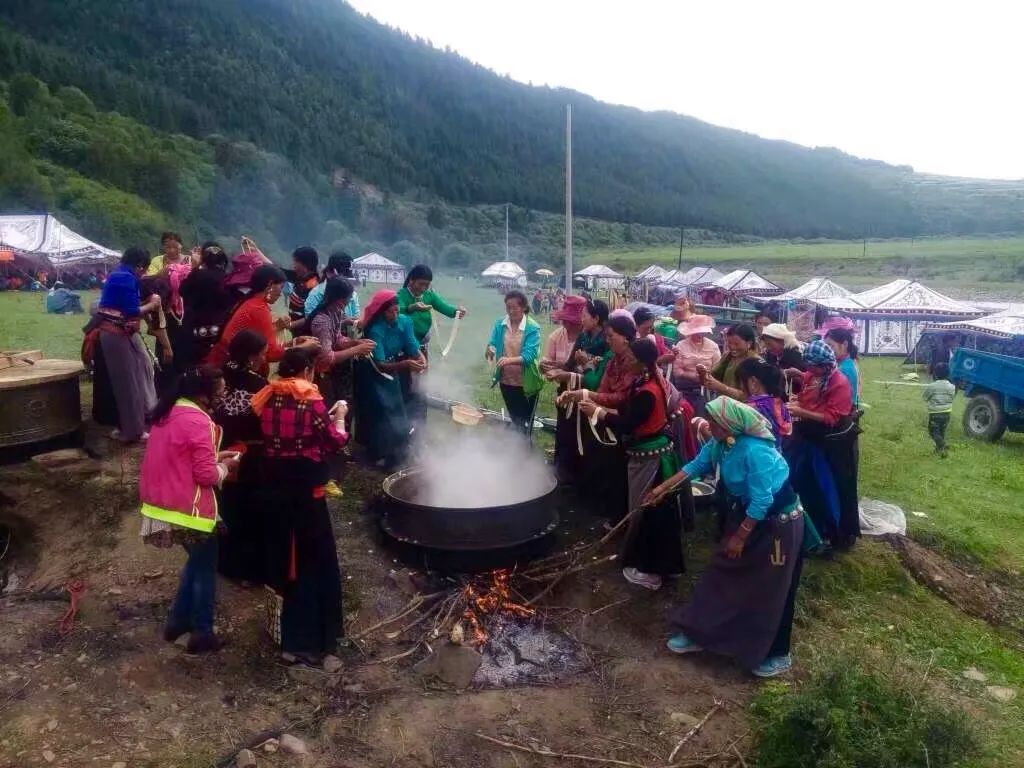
(994, 385)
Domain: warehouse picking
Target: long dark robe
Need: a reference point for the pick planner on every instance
(743, 608)
(569, 464)
(823, 470)
(104, 407)
(242, 508)
(381, 423)
(653, 540)
(302, 558)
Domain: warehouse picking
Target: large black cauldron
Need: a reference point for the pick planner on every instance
(468, 538)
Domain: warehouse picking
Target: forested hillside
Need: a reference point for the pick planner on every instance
(316, 83)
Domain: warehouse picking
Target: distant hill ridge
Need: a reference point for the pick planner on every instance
(328, 88)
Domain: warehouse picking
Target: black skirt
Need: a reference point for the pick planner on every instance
(301, 557)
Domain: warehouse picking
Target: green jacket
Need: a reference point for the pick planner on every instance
(421, 318)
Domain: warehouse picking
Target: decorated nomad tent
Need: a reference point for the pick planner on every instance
(653, 274)
(1002, 332)
(40, 242)
(891, 318)
(677, 283)
(600, 276)
(738, 284)
(798, 308)
(374, 268)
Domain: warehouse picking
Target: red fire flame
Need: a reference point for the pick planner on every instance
(489, 597)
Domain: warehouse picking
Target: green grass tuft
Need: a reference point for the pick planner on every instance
(846, 718)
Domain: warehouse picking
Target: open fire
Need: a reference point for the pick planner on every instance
(486, 597)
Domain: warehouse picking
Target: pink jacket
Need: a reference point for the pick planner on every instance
(180, 469)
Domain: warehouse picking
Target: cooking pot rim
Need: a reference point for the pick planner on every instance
(391, 480)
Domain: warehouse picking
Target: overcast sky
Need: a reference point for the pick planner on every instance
(936, 85)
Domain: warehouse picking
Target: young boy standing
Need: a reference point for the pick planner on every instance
(939, 397)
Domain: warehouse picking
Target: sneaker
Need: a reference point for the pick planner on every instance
(646, 580)
(682, 644)
(774, 666)
(332, 490)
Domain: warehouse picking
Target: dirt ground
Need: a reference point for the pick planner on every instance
(111, 693)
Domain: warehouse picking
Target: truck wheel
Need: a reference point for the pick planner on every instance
(984, 418)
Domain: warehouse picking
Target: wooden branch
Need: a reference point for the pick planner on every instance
(695, 730)
(411, 606)
(569, 572)
(558, 755)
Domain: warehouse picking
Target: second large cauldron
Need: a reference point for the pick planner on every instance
(464, 529)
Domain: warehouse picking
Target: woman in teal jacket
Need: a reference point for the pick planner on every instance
(515, 348)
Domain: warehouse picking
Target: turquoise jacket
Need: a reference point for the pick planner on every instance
(752, 470)
(530, 351)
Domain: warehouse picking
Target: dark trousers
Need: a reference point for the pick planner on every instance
(192, 610)
(780, 645)
(520, 407)
(937, 424)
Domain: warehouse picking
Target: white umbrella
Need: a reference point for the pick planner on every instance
(544, 272)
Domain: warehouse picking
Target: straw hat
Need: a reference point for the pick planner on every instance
(697, 324)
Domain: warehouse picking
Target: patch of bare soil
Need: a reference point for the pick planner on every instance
(111, 693)
(983, 595)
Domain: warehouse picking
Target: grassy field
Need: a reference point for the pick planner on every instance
(862, 611)
(980, 266)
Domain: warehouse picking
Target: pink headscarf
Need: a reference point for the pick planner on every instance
(380, 298)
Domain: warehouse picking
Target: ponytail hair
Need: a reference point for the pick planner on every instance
(192, 384)
(769, 376)
(844, 336)
(296, 361)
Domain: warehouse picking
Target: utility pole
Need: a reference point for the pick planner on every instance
(682, 231)
(568, 199)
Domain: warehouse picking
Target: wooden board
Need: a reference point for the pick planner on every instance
(19, 359)
(40, 372)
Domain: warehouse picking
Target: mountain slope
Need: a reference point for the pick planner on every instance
(328, 88)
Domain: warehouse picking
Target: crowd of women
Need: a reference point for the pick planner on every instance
(238, 464)
(646, 406)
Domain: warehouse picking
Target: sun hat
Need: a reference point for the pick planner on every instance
(571, 311)
(697, 324)
(782, 333)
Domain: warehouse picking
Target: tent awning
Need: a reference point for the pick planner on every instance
(1008, 324)
(902, 298)
(376, 260)
(746, 282)
(597, 270)
(814, 290)
(41, 237)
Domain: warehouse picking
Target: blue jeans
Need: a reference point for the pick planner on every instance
(192, 610)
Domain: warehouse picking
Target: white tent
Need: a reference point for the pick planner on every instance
(652, 274)
(891, 317)
(504, 272)
(798, 308)
(600, 276)
(695, 277)
(42, 240)
(374, 268)
(745, 282)
(814, 289)
(1007, 324)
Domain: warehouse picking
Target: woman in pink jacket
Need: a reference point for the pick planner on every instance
(180, 470)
